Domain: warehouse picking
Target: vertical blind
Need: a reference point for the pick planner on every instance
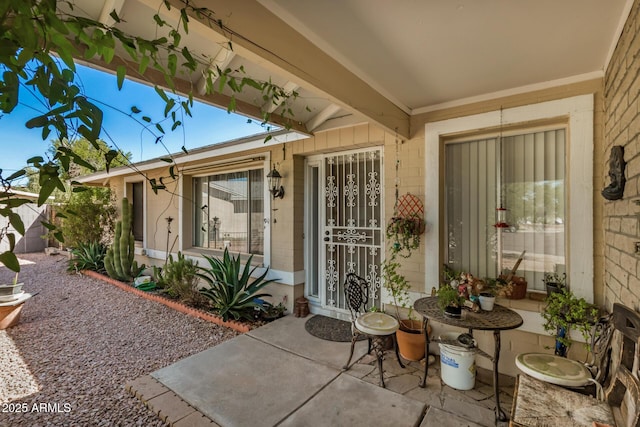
(530, 177)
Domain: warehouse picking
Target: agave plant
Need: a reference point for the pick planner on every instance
(230, 287)
(88, 256)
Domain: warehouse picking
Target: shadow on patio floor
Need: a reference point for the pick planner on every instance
(281, 375)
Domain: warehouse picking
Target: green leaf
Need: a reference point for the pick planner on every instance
(169, 105)
(191, 62)
(135, 110)
(159, 20)
(37, 122)
(172, 63)
(16, 175)
(10, 260)
(108, 157)
(121, 72)
(144, 64)
(232, 105)
(45, 191)
(48, 226)
(35, 160)
(161, 93)
(16, 223)
(115, 16)
(12, 202)
(12, 241)
(64, 49)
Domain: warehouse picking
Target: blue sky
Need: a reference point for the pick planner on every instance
(208, 125)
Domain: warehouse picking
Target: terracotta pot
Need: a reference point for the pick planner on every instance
(411, 340)
(10, 315)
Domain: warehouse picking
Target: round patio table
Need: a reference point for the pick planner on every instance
(499, 319)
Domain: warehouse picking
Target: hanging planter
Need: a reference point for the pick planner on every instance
(407, 225)
(405, 232)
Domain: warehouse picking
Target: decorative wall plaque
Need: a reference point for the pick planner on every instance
(617, 164)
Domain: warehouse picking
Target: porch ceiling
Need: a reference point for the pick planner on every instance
(376, 60)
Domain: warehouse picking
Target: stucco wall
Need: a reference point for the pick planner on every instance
(622, 127)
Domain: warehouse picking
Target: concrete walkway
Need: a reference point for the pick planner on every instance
(281, 375)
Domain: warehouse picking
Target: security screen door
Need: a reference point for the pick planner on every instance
(351, 232)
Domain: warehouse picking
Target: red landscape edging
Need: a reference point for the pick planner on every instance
(209, 317)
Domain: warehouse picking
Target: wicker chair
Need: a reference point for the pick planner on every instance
(375, 326)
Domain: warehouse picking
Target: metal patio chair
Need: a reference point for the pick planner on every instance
(375, 326)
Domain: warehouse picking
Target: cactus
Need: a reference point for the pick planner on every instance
(119, 261)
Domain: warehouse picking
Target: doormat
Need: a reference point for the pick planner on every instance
(330, 329)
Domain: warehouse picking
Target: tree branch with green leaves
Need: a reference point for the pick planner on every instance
(40, 43)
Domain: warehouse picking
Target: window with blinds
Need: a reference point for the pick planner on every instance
(526, 174)
(229, 211)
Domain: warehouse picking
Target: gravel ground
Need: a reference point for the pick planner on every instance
(79, 342)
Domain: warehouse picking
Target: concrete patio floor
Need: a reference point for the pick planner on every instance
(281, 375)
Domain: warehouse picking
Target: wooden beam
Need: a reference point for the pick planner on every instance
(222, 60)
(322, 116)
(155, 78)
(288, 88)
(262, 37)
(108, 7)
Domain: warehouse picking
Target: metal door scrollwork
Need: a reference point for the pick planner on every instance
(352, 211)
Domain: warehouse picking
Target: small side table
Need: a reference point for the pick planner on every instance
(499, 319)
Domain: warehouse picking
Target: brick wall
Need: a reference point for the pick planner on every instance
(622, 127)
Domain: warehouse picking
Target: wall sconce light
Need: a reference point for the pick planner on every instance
(275, 188)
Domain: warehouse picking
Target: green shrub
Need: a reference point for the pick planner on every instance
(230, 289)
(88, 256)
(564, 310)
(179, 280)
(88, 217)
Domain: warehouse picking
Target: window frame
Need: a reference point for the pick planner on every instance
(577, 113)
(246, 170)
(505, 134)
(186, 175)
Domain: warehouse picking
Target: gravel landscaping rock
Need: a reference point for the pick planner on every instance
(79, 342)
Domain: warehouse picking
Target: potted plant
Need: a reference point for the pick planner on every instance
(565, 312)
(488, 289)
(403, 233)
(554, 282)
(450, 300)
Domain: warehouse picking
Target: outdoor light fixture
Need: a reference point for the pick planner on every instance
(275, 188)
